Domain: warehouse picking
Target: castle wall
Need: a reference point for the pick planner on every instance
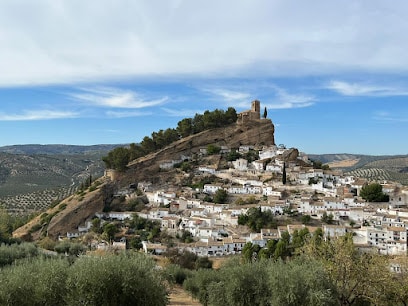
(250, 115)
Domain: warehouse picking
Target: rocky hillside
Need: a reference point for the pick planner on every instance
(68, 214)
(75, 210)
(255, 133)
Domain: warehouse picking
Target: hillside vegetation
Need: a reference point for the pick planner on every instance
(119, 158)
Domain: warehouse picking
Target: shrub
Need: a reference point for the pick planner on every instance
(175, 274)
(115, 280)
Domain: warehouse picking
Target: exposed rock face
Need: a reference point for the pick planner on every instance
(255, 133)
(290, 155)
(75, 214)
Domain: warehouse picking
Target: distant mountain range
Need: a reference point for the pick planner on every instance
(34, 149)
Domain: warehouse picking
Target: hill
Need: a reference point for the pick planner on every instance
(34, 176)
(386, 167)
(57, 149)
(73, 211)
(254, 133)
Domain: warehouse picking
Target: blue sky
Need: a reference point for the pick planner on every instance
(332, 74)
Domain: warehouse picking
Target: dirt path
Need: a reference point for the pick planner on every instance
(179, 297)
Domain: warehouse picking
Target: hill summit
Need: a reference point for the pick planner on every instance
(249, 130)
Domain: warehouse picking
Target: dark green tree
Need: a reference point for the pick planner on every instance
(109, 230)
(213, 149)
(373, 193)
(231, 115)
(317, 164)
(220, 196)
(284, 174)
(327, 218)
(305, 219)
(265, 114)
(233, 155)
(256, 219)
(185, 127)
(117, 158)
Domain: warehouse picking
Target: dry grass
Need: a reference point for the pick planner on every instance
(179, 297)
(343, 163)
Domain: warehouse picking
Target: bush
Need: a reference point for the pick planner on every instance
(36, 282)
(70, 248)
(115, 280)
(298, 282)
(10, 253)
(175, 274)
(213, 149)
(112, 280)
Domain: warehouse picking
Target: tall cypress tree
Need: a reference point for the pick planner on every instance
(265, 114)
(284, 174)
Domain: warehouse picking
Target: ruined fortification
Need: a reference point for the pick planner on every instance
(250, 115)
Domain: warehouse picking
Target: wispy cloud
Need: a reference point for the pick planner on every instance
(31, 115)
(126, 114)
(360, 89)
(389, 117)
(274, 97)
(181, 112)
(227, 94)
(115, 98)
(283, 100)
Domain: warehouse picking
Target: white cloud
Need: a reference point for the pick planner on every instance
(185, 113)
(275, 97)
(287, 100)
(127, 114)
(31, 115)
(359, 89)
(49, 42)
(115, 98)
(286, 105)
(228, 95)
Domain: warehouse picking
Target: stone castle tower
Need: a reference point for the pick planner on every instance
(250, 115)
(256, 109)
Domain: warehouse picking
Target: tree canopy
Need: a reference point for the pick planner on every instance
(373, 193)
(256, 219)
(124, 279)
(119, 157)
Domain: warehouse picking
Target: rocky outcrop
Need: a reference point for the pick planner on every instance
(77, 209)
(75, 215)
(290, 155)
(254, 133)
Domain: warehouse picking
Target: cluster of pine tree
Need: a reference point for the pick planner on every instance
(121, 156)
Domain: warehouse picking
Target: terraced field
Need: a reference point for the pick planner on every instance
(32, 182)
(378, 168)
(36, 201)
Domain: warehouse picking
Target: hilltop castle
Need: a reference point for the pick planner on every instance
(250, 115)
